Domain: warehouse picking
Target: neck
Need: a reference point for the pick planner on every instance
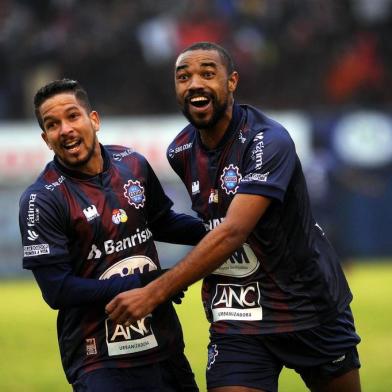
(212, 136)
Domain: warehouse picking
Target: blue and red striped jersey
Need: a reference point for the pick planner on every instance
(286, 277)
(100, 227)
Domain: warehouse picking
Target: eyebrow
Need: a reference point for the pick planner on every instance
(49, 117)
(204, 65)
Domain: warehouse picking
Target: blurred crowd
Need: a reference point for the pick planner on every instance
(306, 54)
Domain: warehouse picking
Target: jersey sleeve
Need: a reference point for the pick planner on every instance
(42, 226)
(268, 164)
(158, 203)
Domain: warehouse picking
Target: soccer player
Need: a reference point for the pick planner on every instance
(274, 291)
(88, 225)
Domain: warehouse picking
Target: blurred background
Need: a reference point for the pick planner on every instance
(322, 68)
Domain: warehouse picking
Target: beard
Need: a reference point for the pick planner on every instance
(218, 111)
(80, 163)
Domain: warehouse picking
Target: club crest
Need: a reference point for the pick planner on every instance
(134, 193)
(230, 179)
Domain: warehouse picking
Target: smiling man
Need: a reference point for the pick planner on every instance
(88, 225)
(273, 291)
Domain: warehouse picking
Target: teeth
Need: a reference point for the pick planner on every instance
(71, 145)
(199, 99)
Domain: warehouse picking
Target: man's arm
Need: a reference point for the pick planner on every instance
(242, 216)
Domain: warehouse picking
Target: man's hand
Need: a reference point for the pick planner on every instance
(131, 305)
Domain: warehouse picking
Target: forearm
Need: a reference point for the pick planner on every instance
(61, 289)
(206, 257)
(178, 228)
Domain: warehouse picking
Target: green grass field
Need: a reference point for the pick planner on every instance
(29, 357)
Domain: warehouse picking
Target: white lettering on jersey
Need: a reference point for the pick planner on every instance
(122, 340)
(243, 262)
(237, 302)
(36, 250)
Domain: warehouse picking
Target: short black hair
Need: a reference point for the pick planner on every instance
(58, 87)
(223, 53)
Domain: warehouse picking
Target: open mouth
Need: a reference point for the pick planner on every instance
(199, 101)
(71, 145)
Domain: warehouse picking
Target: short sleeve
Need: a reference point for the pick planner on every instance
(158, 203)
(268, 164)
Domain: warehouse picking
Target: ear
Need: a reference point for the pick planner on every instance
(95, 120)
(45, 138)
(233, 81)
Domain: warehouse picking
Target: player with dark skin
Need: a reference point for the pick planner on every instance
(204, 89)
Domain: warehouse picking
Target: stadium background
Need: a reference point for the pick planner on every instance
(322, 68)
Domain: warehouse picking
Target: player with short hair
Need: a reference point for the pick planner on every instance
(274, 291)
(88, 225)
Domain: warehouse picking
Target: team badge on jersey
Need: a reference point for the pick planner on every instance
(134, 193)
(230, 179)
(119, 216)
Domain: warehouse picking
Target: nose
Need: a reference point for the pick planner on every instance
(65, 127)
(195, 83)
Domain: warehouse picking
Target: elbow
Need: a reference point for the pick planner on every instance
(233, 235)
(52, 301)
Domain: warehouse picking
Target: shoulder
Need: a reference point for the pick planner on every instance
(118, 153)
(182, 142)
(263, 129)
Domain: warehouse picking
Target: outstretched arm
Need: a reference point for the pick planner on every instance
(242, 216)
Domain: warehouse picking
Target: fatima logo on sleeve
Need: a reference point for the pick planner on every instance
(230, 179)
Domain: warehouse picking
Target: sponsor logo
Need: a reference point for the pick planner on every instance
(213, 198)
(134, 193)
(95, 253)
(55, 184)
(212, 223)
(241, 138)
(36, 250)
(120, 155)
(212, 354)
(243, 262)
(129, 266)
(91, 213)
(119, 216)
(137, 337)
(91, 347)
(32, 211)
(195, 187)
(320, 228)
(258, 177)
(32, 235)
(174, 151)
(237, 302)
(111, 246)
(230, 179)
(340, 359)
(258, 150)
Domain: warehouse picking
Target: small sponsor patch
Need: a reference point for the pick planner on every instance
(90, 212)
(119, 216)
(91, 347)
(36, 250)
(134, 193)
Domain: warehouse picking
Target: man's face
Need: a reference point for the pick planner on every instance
(70, 131)
(204, 90)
